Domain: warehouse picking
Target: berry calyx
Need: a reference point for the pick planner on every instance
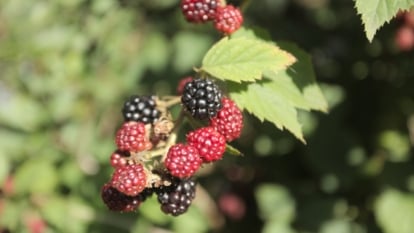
(178, 198)
(130, 179)
(117, 201)
(229, 120)
(141, 109)
(228, 19)
(132, 137)
(199, 11)
(201, 98)
(209, 143)
(182, 161)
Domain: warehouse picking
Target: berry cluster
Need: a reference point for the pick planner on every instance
(148, 159)
(404, 37)
(226, 18)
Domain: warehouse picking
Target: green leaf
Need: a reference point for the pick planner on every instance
(233, 151)
(244, 59)
(298, 82)
(374, 13)
(263, 100)
(394, 211)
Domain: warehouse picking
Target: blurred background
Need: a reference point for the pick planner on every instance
(66, 67)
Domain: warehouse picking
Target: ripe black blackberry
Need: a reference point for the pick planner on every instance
(141, 109)
(176, 198)
(117, 201)
(202, 98)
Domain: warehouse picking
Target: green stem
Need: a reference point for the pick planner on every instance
(244, 5)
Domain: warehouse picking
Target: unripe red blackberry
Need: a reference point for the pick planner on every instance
(209, 143)
(229, 120)
(132, 137)
(141, 109)
(228, 19)
(117, 201)
(119, 158)
(182, 161)
(199, 11)
(404, 38)
(176, 199)
(130, 179)
(201, 98)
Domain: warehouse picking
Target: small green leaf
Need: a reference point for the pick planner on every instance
(394, 211)
(233, 151)
(244, 59)
(263, 100)
(374, 13)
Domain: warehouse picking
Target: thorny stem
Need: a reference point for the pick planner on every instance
(169, 101)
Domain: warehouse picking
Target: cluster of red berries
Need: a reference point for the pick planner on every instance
(148, 160)
(404, 36)
(226, 18)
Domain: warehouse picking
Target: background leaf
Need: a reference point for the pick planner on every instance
(244, 59)
(394, 211)
(374, 13)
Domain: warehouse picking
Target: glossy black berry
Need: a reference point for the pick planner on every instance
(176, 199)
(141, 109)
(202, 98)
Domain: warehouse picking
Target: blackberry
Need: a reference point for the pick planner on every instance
(202, 98)
(130, 179)
(182, 160)
(119, 158)
(199, 11)
(229, 120)
(132, 136)
(118, 201)
(141, 109)
(228, 19)
(210, 144)
(175, 201)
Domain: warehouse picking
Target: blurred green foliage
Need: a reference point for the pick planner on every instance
(66, 67)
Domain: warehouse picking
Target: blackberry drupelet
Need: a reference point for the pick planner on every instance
(141, 109)
(202, 98)
(176, 199)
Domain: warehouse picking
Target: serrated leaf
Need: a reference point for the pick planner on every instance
(244, 59)
(394, 212)
(374, 13)
(263, 100)
(298, 82)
